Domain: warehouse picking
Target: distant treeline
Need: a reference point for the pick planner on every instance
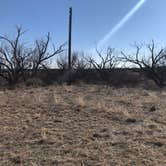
(19, 63)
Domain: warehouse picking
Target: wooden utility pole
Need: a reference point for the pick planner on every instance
(70, 38)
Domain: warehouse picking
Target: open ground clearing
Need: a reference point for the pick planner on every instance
(86, 125)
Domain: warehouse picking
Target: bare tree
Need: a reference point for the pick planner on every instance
(40, 54)
(153, 65)
(77, 61)
(104, 63)
(62, 62)
(16, 59)
(13, 55)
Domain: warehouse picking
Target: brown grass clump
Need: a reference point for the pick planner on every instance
(81, 102)
(82, 125)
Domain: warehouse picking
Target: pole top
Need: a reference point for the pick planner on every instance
(70, 10)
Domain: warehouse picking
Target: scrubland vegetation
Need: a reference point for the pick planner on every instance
(109, 111)
(18, 63)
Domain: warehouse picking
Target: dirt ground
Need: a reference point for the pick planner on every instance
(83, 125)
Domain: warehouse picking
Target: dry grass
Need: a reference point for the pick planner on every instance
(84, 125)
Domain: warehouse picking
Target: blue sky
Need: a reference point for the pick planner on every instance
(92, 20)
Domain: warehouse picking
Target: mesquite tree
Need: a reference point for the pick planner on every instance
(153, 64)
(16, 60)
(78, 61)
(104, 63)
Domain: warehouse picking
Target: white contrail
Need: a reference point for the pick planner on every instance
(120, 24)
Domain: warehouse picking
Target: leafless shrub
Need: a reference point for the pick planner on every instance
(153, 64)
(13, 57)
(16, 59)
(107, 61)
(40, 54)
(104, 64)
(62, 61)
(77, 62)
